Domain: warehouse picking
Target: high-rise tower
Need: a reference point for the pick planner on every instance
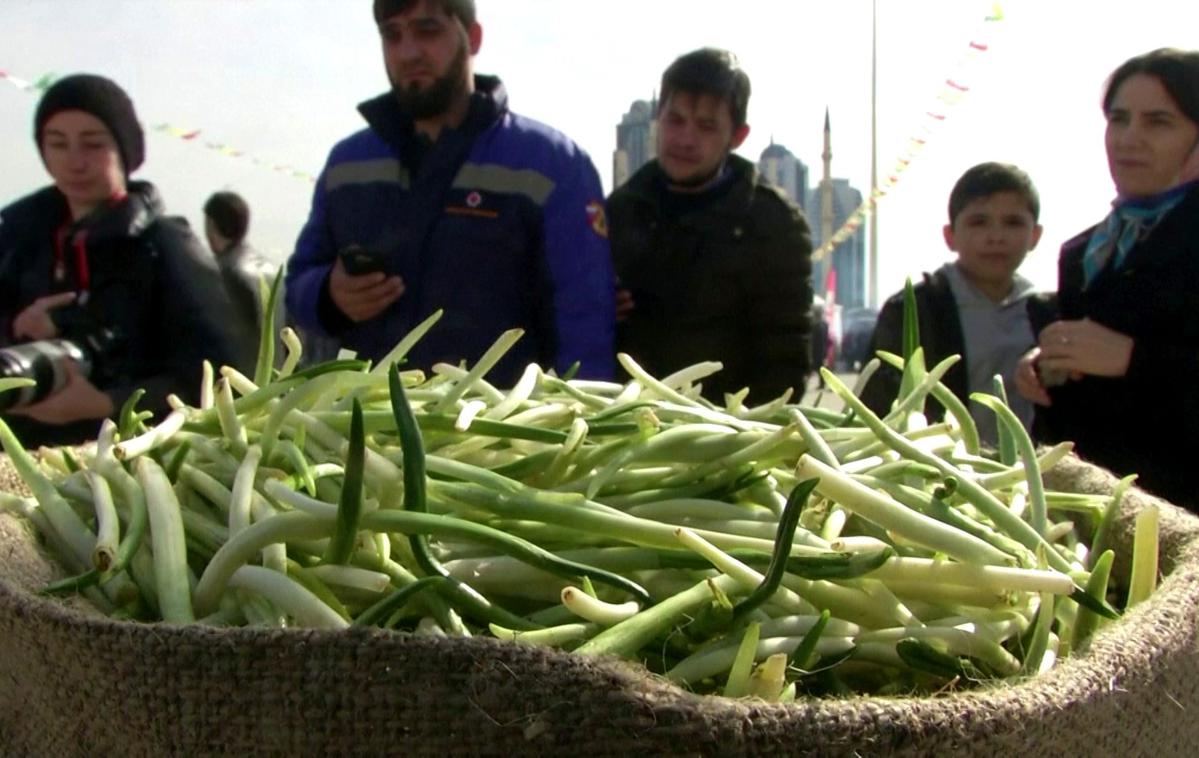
(636, 140)
(781, 168)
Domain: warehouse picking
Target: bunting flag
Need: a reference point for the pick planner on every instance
(182, 133)
(40, 85)
(951, 92)
(832, 316)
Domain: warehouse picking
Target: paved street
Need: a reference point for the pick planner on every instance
(826, 398)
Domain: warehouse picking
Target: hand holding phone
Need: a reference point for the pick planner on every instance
(359, 261)
(360, 286)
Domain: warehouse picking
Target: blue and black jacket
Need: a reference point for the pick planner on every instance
(501, 225)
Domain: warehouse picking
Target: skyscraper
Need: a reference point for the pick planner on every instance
(832, 201)
(827, 205)
(847, 258)
(780, 166)
(636, 140)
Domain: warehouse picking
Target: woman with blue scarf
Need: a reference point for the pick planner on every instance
(1119, 372)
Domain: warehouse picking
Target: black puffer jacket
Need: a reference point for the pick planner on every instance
(729, 282)
(1146, 422)
(242, 268)
(148, 280)
(941, 336)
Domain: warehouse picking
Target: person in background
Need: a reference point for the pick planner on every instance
(450, 201)
(821, 340)
(1118, 371)
(976, 306)
(93, 260)
(714, 263)
(226, 222)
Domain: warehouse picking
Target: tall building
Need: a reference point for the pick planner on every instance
(831, 203)
(827, 205)
(849, 257)
(636, 140)
(780, 166)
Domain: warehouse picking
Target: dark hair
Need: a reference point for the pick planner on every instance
(985, 180)
(463, 10)
(230, 213)
(709, 71)
(1177, 70)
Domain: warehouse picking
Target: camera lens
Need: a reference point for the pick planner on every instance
(45, 363)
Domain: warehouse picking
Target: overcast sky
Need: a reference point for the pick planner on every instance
(280, 79)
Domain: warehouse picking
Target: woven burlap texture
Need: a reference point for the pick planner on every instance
(77, 684)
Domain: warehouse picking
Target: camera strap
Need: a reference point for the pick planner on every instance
(78, 244)
(77, 241)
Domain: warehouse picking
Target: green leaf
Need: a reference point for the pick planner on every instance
(925, 658)
(349, 509)
(805, 655)
(266, 337)
(1088, 620)
(782, 548)
(914, 369)
(738, 681)
(7, 385)
(1007, 443)
(130, 421)
(911, 321)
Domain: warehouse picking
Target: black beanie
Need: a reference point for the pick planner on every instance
(103, 99)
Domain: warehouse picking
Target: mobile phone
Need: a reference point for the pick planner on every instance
(358, 260)
(1050, 377)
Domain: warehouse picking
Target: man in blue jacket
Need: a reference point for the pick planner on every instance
(448, 200)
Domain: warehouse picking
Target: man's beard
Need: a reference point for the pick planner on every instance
(436, 99)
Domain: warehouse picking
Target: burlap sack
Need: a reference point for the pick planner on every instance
(77, 684)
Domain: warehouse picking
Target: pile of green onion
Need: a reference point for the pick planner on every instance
(774, 551)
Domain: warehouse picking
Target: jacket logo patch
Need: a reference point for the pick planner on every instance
(473, 204)
(597, 218)
(456, 210)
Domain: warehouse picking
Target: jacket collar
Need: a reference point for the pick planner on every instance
(1022, 289)
(1185, 210)
(1172, 195)
(646, 186)
(126, 218)
(488, 104)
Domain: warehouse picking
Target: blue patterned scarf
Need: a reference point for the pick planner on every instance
(1130, 221)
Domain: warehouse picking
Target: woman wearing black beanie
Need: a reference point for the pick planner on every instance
(100, 293)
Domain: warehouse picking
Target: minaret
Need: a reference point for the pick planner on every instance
(827, 218)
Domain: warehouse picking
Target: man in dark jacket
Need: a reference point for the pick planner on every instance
(449, 201)
(226, 222)
(714, 264)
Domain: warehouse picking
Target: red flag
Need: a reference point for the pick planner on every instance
(832, 314)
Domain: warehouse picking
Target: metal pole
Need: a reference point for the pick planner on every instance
(872, 265)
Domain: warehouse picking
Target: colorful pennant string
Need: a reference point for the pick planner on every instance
(185, 134)
(952, 90)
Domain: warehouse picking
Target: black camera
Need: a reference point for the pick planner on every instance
(85, 341)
